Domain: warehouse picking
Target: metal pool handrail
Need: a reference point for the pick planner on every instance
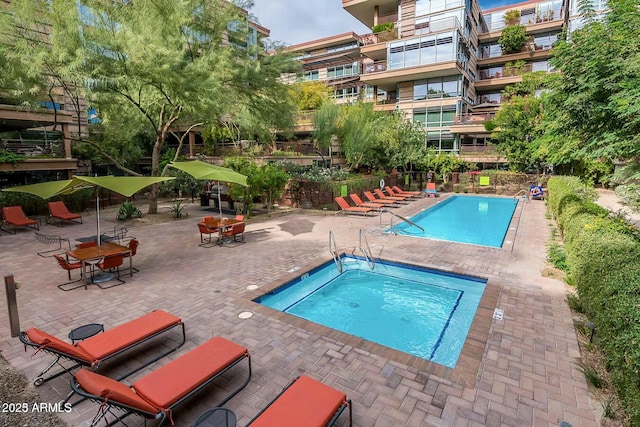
(333, 248)
(407, 220)
(366, 252)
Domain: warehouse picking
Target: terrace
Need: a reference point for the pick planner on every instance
(526, 372)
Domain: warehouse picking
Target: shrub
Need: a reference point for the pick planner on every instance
(602, 257)
(513, 39)
(128, 210)
(387, 26)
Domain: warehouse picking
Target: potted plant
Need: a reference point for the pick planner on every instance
(512, 17)
(384, 32)
(513, 39)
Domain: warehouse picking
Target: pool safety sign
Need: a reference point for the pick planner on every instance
(498, 314)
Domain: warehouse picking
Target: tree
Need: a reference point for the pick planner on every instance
(358, 131)
(160, 62)
(325, 125)
(594, 103)
(310, 95)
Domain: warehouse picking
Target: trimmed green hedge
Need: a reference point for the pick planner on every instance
(603, 257)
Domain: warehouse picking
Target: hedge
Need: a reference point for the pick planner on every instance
(603, 257)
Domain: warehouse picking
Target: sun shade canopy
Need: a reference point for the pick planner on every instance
(202, 170)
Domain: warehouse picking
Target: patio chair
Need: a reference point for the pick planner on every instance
(391, 203)
(133, 247)
(157, 394)
(358, 202)
(93, 352)
(394, 193)
(14, 215)
(58, 210)
(111, 262)
(118, 233)
(402, 192)
(239, 217)
(232, 233)
(304, 402)
(50, 239)
(344, 207)
(206, 231)
(207, 218)
(68, 266)
(383, 196)
(431, 191)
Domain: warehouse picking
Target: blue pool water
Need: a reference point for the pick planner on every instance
(465, 219)
(411, 309)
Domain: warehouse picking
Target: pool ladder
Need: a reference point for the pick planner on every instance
(523, 193)
(363, 247)
(400, 217)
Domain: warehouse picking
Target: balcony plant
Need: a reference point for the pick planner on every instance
(513, 39)
(385, 32)
(512, 17)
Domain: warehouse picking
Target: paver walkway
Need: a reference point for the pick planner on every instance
(527, 372)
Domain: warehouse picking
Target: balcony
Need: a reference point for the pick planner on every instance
(364, 10)
(471, 124)
(378, 74)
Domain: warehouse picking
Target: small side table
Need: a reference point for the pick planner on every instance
(216, 417)
(85, 331)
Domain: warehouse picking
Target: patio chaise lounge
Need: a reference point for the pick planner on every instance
(383, 196)
(98, 349)
(391, 203)
(392, 192)
(431, 191)
(408, 193)
(158, 393)
(536, 192)
(304, 402)
(14, 215)
(344, 207)
(358, 201)
(58, 210)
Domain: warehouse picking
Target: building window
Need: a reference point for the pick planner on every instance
(427, 50)
(342, 71)
(311, 75)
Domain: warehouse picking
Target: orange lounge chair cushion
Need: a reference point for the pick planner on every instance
(14, 215)
(59, 210)
(168, 384)
(49, 341)
(306, 403)
(109, 389)
(113, 340)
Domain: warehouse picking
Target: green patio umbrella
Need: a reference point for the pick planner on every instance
(125, 185)
(202, 170)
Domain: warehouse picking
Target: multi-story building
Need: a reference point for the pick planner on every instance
(439, 62)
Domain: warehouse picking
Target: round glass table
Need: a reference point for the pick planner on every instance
(216, 417)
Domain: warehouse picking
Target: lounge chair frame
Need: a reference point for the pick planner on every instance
(107, 406)
(51, 239)
(331, 422)
(78, 362)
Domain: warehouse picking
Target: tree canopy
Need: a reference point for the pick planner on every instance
(161, 64)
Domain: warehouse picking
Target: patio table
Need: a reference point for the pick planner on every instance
(93, 253)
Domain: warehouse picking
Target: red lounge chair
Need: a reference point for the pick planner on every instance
(383, 196)
(93, 351)
(408, 193)
(344, 207)
(59, 211)
(369, 195)
(358, 201)
(157, 394)
(431, 191)
(393, 193)
(304, 402)
(14, 215)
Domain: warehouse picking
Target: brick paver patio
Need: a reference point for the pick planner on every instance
(518, 371)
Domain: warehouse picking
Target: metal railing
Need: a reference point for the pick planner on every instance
(366, 251)
(400, 217)
(333, 248)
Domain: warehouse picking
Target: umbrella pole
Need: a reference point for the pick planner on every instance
(219, 198)
(98, 215)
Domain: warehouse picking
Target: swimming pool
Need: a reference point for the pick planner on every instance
(465, 219)
(422, 312)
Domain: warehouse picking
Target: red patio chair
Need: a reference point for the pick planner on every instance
(111, 262)
(98, 349)
(59, 211)
(344, 207)
(233, 231)
(304, 402)
(14, 215)
(68, 266)
(157, 394)
(133, 247)
(206, 231)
